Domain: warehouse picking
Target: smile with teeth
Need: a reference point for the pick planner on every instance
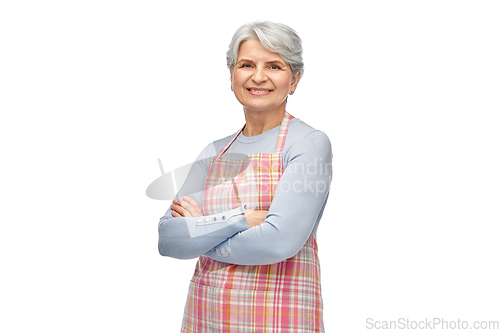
(259, 91)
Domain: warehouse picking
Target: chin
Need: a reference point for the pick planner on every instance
(262, 107)
(257, 109)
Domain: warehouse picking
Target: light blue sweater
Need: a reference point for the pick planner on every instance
(294, 214)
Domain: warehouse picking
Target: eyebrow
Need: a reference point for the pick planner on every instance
(267, 62)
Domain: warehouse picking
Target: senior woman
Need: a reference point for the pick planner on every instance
(252, 202)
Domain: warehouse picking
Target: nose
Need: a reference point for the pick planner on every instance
(259, 75)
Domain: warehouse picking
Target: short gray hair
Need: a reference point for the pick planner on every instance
(275, 37)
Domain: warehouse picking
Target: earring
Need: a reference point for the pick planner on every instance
(291, 92)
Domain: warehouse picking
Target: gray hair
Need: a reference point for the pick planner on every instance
(275, 37)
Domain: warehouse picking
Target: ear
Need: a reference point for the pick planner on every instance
(295, 81)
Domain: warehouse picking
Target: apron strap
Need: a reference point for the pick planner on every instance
(223, 150)
(280, 143)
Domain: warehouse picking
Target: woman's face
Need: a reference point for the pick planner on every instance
(261, 80)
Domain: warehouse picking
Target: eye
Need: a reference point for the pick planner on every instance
(246, 66)
(275, 67)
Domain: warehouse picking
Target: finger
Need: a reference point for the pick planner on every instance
(188, 208)
(177, 209)
(182, 209)
(195, 204)
(175, 214)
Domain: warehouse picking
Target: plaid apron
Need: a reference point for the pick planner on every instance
(283, 297)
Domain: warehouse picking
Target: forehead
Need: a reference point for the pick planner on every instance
(253, 49)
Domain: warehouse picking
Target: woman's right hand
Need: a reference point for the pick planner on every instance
(255, 217)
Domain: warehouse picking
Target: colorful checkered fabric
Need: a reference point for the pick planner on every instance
(283, 297)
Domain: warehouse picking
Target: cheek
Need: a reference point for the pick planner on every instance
(239, 79)
(238, 82)
(284, 83)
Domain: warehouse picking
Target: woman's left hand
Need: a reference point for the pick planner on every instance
(186, 208)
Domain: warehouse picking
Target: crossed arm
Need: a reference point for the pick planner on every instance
(297, 206)
(186, 235)
(188, 207)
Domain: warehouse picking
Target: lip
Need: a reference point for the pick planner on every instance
(259, 91)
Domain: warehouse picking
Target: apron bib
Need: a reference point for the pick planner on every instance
(283, 297)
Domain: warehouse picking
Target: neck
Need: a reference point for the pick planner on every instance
(260, 122)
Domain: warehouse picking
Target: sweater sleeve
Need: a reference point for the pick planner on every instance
(190, 237)
(298, 203)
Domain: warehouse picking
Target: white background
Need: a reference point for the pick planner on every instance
(93, 92)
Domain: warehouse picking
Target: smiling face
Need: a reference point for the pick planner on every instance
(261, 80)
